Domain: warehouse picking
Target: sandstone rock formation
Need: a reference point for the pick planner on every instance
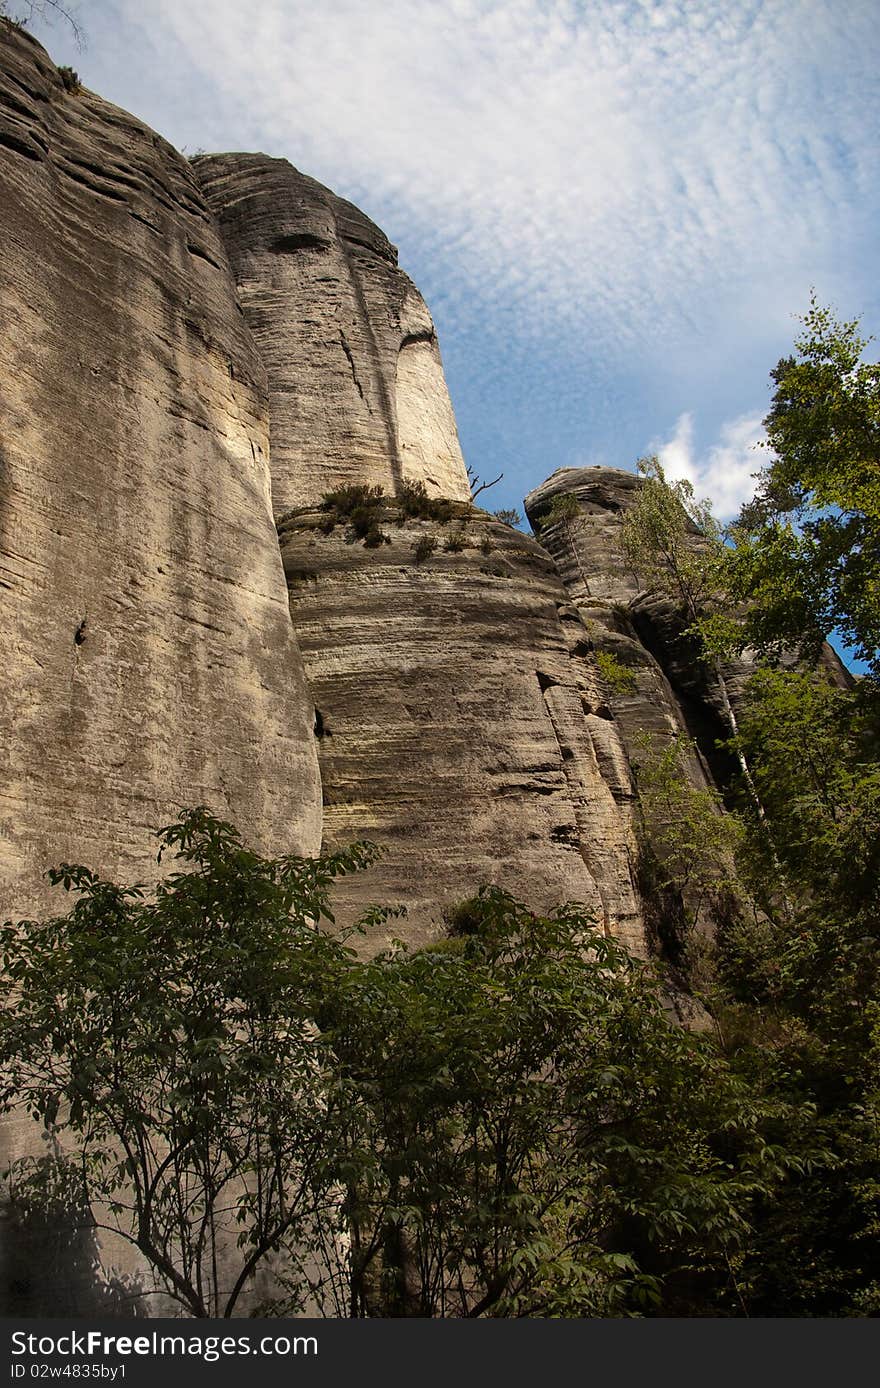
(193, 357)
(150, 659)
(356, 384)
(461, 724)
(675, 693)
(608, 596)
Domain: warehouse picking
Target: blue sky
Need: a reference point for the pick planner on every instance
(614, 209)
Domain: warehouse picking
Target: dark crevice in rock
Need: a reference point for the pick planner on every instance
(545, 681)
(366, 246)
(19, 107)
(31, 149)
(201, 255)
(93, 187)
(104, 171)
(146, 221)
(354, 376)
(23, 86)
(411, 339)
(298, 241)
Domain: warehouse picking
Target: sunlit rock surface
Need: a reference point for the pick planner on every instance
(356, 383)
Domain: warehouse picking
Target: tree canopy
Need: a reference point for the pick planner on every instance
(807, 549)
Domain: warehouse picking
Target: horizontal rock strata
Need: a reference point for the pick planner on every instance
(150, 661)
(460, 723)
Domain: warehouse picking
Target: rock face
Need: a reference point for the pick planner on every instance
(150, 661)
(187, 622)
(356, 383)
(674, 693)
(461, 724)
(609, 598)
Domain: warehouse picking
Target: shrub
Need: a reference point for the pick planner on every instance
(509, 517)
(414, 502)
(359, 505)
(424, 547)
(616, 675)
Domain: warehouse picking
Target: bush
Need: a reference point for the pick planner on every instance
(615, 674)
(360, 506)
(415, 504)
(423, 548)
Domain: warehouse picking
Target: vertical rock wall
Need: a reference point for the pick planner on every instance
(355, 379)
(461, 725)
(675, 692)
(149, 658)
(607, 596)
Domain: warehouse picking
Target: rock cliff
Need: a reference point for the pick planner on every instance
(150, 659)
(356, 386)
(193, 357)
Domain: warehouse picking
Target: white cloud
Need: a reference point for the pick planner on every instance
(607, 171)
(725, 473)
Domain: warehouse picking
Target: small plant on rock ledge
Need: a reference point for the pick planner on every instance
(616, 675)
(359, 505)
(423, 548)
(414, 503)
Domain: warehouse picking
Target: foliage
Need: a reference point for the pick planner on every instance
(455, 542)
(169, 1045)
(807, 549)
(619, 678)
(672, 541)
(361, 506)
(690, 840)
(27, 11)
(792, 981)
(508, 517)
(536, 1139)
(502, 1124)
(414, 502)
(423, 548)
(70, 78)
(564, 507)
(809, 963)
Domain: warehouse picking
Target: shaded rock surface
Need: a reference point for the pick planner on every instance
(149, 657)
(460, 721)
(609, 596)
(355, 378)
(675, 692)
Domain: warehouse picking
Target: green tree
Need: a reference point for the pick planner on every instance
(168, 1046)
(535, 1138)
(807, 979)
(807, 549)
